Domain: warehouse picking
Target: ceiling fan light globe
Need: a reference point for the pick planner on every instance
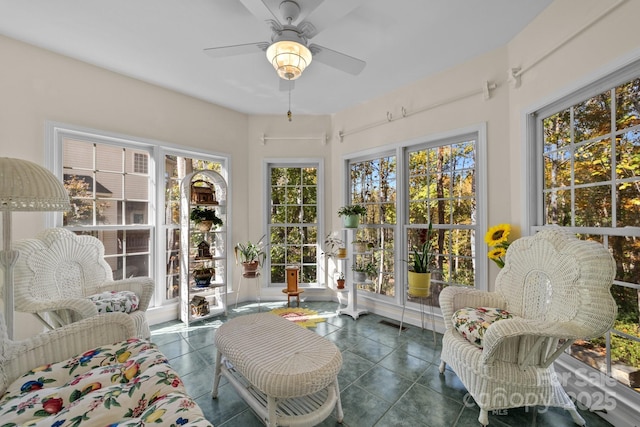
(289, 58)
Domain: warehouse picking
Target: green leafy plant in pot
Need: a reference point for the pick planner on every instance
(204, 218)
(251, 256)
(363, 270)
(419, 275)
(351, 215)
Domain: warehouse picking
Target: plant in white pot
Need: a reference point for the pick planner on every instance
(351, 215)
(251, 256)
(363, 270)
(419, 274)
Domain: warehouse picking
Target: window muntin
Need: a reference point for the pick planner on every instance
(591, 184)
(293, 222)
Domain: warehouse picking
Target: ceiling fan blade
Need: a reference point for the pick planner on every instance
(238, 49)
(260, 10)
(285, 85)
(326, 14)
(337, 60)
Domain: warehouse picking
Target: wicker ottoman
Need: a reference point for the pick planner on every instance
(287, 374)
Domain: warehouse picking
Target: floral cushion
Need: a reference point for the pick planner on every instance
(472, 322)
(129, 383)
(113, 301)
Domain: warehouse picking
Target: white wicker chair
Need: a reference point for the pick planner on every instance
(58, 270)
(558, 290)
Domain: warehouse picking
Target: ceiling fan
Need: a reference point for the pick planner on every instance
(289, 50)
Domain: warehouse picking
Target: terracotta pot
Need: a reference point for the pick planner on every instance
(250, 269)
(340, 283)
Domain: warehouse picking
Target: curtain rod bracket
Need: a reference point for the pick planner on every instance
(515, 76)
(487, 88)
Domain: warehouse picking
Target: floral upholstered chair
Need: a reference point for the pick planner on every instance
(62, 277)
(89, 373)
(553, 289)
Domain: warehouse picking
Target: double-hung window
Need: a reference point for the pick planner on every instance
(587, 169)
(403, 190)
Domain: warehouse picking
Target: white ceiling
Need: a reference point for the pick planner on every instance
(162, 42)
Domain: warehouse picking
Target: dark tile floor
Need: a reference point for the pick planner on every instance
(386, 379)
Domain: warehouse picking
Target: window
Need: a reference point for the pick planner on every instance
(140, 163)
(111, 181)
(442, 190)
(373, 185)
(588, 152)
(293, 221)
(109, 201)
(436, 181)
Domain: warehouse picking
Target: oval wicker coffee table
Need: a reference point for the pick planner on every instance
(286, 374)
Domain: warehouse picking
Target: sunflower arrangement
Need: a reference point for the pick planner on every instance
(498, 240)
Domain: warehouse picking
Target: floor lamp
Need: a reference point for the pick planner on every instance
(24, 186)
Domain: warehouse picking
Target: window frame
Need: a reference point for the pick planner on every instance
(584, 380)
(400, 150)
(56, 132)
(317, 162)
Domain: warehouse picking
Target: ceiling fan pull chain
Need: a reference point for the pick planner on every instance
(289, 112)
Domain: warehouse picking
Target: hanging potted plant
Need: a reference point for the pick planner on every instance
(204, 218)
(419, 275)
(351, 215)
(251, 256)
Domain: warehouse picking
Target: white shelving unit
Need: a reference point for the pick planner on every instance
(351, 286)
(207, 190)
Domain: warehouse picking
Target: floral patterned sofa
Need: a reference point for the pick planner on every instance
(90, 373)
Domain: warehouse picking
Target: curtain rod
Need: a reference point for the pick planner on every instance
(486, 89)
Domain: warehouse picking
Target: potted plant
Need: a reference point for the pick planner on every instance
(419, 275)
(363, 270)
(202, 275)
(351, 215)
(204, 219)
(361, 246)
(334, 246)
(340, 280)
(251, 256)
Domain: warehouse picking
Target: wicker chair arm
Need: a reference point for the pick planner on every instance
(143, 287)
(62, 343)
(499, 332)
(453, 298)
(82, 306)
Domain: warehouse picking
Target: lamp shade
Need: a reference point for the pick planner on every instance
(289, 58)
(26, 186)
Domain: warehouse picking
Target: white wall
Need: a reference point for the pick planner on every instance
(37, 85)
